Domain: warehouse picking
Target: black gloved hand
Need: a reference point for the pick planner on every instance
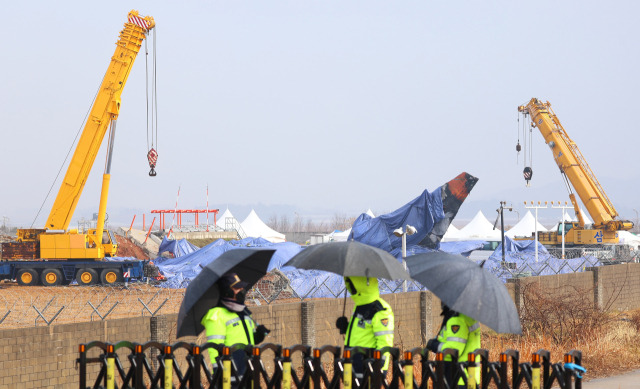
(342, 324)
(260, 334)
(432, 345)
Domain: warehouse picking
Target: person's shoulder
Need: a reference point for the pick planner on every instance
(385, 306)
(216, 313)
(468, 320)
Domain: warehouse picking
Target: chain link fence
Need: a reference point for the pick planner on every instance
(42, 306)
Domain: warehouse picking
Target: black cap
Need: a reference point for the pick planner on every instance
(232, 280)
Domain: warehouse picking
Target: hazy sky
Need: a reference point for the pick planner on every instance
(321, 107)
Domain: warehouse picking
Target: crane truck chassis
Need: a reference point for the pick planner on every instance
(56, 255)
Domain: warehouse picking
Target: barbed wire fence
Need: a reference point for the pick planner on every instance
(44, 306)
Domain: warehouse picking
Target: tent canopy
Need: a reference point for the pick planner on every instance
(222, 220)
(525, 227)
(254, 227)
(479, 228)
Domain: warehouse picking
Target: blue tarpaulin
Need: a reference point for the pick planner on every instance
(520, 260)
(181, 270)
(422, 213)
(177, 247)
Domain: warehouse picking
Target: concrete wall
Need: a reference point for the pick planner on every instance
(44, 357)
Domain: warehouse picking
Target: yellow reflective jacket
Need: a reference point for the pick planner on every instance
(371, 323)
(460, 333)
(224, 326)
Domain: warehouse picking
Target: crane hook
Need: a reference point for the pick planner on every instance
(527, 173)
(152, 156)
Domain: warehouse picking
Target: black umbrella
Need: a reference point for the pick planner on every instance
(202, 293)
(467, 288)
(350, 259)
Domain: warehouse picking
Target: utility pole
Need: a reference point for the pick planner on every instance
(536, 207)
(501, 216)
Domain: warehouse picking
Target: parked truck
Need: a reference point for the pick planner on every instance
(55, 254)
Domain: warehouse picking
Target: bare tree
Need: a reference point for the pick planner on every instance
(273, 222)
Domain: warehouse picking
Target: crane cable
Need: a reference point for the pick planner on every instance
(67, 156)
(152, 117)
(527, 146)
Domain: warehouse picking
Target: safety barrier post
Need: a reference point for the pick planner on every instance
(226, 368)
(515, 365)
(484, 365)
(397, 374)
(535, 371)
(567, 373)
(111, 367)
(286, 369)
(196, 359)
(82, 360)
(408, 370)
(471, 372)
(376, 379)
(255, 367)
(347, 374)
(439, 384)
(546, 366)
(139, 359)
(317, 365)
(504, 364)
(577, 358)
(167, 379)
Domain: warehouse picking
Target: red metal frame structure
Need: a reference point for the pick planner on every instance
(180, 212)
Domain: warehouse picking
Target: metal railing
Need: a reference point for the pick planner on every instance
(270, 366)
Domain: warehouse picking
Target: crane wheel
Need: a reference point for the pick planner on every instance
(110, 276)
(51, 277)
(27, 277)
(87, 277)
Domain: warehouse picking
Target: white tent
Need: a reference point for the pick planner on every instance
(254, 227)
(567, 218)
(479, 228)
(226, 218)
(585, 216)
(525, 227)
(452, 234)
(628, 238)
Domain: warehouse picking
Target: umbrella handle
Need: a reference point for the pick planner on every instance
(344, 307)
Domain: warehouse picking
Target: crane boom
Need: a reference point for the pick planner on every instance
(104, 111)
(576, 170)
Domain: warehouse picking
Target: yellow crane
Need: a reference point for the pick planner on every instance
(56, 242)
(577, 174)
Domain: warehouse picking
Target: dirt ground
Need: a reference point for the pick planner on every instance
(126, 248)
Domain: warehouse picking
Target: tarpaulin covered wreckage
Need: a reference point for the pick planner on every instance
(430, 213)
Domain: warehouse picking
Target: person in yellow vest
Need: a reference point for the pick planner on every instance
(458, 332)
(371, 323)
(230, 321)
